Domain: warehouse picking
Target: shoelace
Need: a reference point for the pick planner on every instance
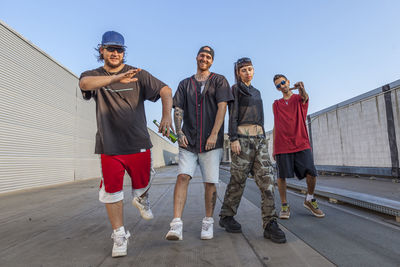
(314, 204)
(145, 202)
(119, 239)
(205, 226)
(273, 224)
(175, 226)
(230, 221)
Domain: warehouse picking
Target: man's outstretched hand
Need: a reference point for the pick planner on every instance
(127, 77)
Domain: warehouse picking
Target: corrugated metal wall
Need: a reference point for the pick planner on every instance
(46, 129)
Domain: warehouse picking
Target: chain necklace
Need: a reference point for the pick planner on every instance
(200, 77)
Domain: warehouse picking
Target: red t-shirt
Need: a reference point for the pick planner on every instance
(290, 125)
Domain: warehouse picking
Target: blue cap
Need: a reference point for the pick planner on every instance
(113, 38)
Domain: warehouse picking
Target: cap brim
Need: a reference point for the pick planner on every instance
(114, 44)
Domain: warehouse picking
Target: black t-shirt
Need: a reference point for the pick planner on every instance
(247, 108)
(121, 119)
(200, 109)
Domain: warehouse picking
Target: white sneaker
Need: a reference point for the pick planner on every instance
(175, 233)
(120, 244)
(207, 228)
(143, 205)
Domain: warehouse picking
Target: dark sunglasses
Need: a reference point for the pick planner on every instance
(243, 60)
(281, 83)
(113, 48)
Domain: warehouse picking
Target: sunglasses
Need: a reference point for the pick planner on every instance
(243, 60)
(280, 84)
(113, 48)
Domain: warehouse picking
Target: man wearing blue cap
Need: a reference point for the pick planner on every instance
(122, 138)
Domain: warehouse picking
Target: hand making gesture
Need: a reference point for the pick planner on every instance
(126, 77)
(302, 91)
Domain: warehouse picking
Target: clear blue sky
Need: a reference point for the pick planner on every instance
(338, 48)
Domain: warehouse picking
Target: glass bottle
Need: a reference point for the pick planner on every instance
(171, 136)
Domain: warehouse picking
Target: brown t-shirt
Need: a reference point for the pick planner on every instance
(121, 119)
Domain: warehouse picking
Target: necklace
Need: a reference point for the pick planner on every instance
(288, 98)
(200, 77)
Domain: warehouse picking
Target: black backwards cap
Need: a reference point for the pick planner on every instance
(211, 51)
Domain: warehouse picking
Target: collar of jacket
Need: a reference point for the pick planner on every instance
(244, 89)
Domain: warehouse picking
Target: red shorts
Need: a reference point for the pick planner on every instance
(137, 165)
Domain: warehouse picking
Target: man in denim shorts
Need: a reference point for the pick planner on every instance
(200, 102)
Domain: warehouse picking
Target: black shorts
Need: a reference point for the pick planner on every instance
(300, 163)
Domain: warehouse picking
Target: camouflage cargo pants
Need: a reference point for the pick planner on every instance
(253, 158)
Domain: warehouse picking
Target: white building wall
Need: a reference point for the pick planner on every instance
(37, 119)
(86, 163)
(396, 113)
(352, 136)
(163, 151)
(325, 125)
(47, 131)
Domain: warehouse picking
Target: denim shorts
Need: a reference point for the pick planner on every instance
(208, 161)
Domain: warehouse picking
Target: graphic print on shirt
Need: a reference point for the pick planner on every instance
(116, 90)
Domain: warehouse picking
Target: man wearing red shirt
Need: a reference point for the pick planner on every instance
(292, 150)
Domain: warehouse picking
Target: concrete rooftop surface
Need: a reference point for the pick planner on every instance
(66, 225)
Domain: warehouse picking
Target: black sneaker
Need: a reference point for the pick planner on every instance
(273, 232)
(230, 224)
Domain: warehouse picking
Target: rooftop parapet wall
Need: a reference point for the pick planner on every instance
(360, 135)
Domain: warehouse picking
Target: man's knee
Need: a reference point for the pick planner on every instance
(311, 178)
(209, 185)
(183, 178)
(105, 197)
(115, 204)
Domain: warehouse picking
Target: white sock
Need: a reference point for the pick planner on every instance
(176, 220)
(208, 219)
(309, 197)
(120, 230)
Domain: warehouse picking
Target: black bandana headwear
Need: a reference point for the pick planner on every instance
(244, 61)
(211, 51)
(241, 62)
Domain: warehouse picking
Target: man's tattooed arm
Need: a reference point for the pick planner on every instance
(178, 118)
